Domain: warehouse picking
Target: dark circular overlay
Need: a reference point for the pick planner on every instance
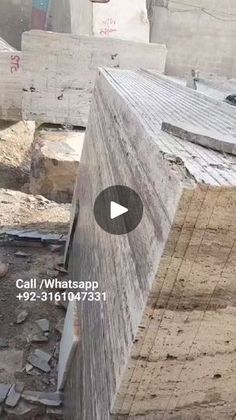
(123, 196)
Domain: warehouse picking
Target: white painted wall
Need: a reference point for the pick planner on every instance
(124, 19)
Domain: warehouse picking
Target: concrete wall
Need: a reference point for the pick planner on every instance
(15, 18)
(116, 19)
(196, 38)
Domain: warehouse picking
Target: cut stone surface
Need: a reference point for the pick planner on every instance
(10, 83)
(62, 93)
(54, 165)
(209, 138)
(52, 399)
(14, 395)
(4, 389)
(69, 342)
(162, 346)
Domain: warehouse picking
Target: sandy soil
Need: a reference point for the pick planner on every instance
(15, 143)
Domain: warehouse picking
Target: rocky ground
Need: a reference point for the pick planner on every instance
(30, 330)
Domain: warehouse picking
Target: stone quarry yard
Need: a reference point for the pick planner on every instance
(30, 331)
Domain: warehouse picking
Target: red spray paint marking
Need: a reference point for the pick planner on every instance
(15, 63)
(109, 26)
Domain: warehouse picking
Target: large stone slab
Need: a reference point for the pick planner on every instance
(10, 82)
(54, 165)
(208, 138)
(60, 70)
(163, 341)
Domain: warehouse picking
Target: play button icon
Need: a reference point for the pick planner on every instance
(118, 210)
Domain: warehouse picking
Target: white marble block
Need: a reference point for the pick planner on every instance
(60, 70)
(10, 82)
(162, 345)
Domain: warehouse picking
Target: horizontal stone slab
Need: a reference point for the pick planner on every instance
(210, 139)
(60, 70)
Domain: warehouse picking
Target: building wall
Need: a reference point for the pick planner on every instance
(118, 19)
(15, 18)
(59, 19)
(121, 19)
(198, 34)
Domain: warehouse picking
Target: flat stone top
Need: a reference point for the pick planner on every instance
(62, 146)
(155, 99)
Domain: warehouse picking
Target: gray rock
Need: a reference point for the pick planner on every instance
(38, 338)
(55, 248)
(60, 325)
(43, 325)
(3, 343)
(55, 413)
(40, 359)
(3, 269)
(43, 355)
(4, 389)
(52, 399)
(28, 367)
(14, 395)
(24, 411)
(21, 317)
(22, 254)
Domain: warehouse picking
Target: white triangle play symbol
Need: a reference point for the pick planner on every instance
(117, 210)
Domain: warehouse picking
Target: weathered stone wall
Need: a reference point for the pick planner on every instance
(198, 34)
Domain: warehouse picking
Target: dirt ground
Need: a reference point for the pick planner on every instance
(27, 212)
(39, 264)
(19, 212)
(15, 143)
